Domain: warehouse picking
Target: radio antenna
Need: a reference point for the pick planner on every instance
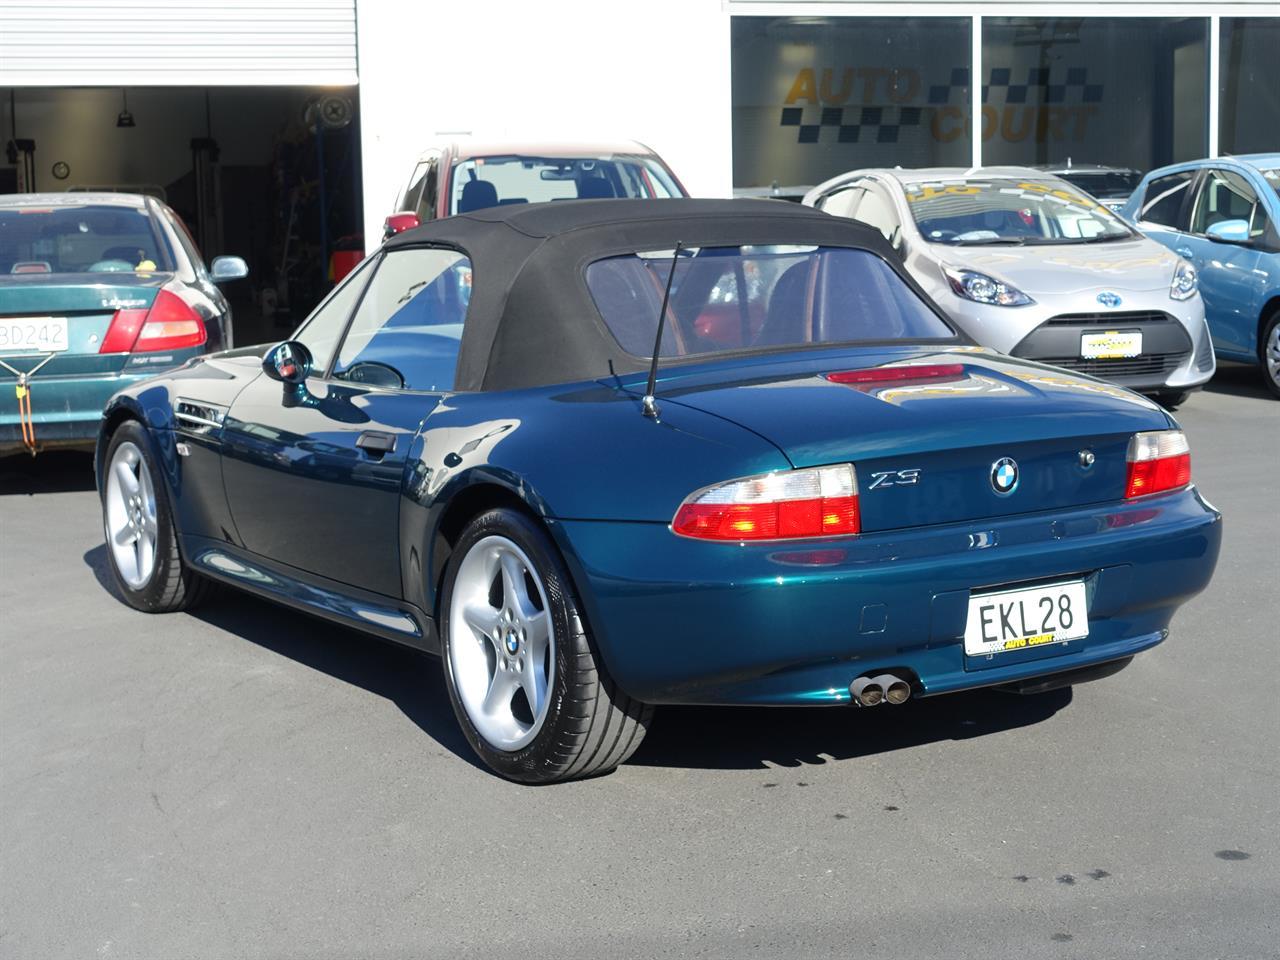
(649, 406)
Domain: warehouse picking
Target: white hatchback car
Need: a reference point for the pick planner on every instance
(1031, 266)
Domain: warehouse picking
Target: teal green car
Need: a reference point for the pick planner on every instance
(97, 291)
(606, 455)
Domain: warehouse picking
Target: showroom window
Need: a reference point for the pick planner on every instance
(818, 96)
(1118, 92)
(1249, 85)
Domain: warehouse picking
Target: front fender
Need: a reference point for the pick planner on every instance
(150, 404)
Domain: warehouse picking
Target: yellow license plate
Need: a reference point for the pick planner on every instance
(1112, 345)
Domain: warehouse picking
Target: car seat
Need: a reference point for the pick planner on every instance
(477, 195)
(131, 255)
(786, 321)
(595, 188)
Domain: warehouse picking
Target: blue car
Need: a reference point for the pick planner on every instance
(605, 455)
(1223, 215)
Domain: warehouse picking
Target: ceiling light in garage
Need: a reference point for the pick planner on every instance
(125, 118)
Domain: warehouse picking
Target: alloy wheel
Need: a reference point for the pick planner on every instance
(1271, 354)
(501, 643)
(131, 516)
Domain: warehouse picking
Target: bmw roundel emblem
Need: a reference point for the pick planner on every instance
(1109, 299)
(1004, 475)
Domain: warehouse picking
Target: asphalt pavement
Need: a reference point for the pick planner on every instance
(247, 782)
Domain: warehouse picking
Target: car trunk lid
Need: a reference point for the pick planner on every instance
(926, 448)
(87, 306)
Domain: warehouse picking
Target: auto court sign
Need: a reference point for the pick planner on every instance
(876, 103)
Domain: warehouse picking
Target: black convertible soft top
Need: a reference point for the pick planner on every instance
(532, 321)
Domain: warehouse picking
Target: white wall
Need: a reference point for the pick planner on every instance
(656, 72)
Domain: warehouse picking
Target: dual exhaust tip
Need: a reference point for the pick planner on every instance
(882, 688)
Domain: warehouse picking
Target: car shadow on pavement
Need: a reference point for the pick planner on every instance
(56, 471)
(716, 738)
(408, 678)
(1239, 380)
(746, 738)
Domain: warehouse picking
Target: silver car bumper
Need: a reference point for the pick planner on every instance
(1177, 353)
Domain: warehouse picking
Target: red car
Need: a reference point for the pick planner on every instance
(464, 174)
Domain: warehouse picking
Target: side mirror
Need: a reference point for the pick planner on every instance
(1229, 231)
(288, 362)
(228, 268)
(399, 223)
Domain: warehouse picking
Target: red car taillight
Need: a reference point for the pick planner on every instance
(929, 371)
(788, 505)
(170, 324)
(1158, 460)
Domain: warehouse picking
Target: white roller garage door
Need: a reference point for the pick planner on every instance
(117, 43)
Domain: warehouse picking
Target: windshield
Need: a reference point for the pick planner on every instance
(1105, 185)
(495, 181)
(1273, 179)
(757, 297)
(74, 238)
(973, 212)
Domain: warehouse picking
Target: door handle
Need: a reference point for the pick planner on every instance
(376, 443)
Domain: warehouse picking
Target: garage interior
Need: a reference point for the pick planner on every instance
(271, 174)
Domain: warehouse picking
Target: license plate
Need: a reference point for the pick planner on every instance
(33, 334)
(1112, 345)
(1023, 619)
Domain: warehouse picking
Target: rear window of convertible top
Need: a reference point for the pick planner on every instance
(757, 297)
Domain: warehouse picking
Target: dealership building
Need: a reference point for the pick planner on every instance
(281, 129)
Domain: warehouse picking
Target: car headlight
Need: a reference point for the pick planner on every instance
(1185, 282)
(980, 288)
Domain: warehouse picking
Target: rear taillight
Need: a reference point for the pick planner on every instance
(1158, 460)
(788, 505)
(170, 324)
(123, 331)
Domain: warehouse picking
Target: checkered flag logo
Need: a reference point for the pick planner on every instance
(1074, 88)
(940, 94)
(853, 124)
(883, 124)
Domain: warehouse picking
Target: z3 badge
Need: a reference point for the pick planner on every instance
(894, 478)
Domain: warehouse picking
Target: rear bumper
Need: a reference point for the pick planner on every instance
(683, 621)
(67, 411)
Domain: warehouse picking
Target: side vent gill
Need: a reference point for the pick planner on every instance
(198, 418)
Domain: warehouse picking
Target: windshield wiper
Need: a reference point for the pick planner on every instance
(1106, 237)
(990, 241)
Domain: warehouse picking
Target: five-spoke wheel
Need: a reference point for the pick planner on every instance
(502, 643)
(130, 514)
(526, 682)
(142, 541)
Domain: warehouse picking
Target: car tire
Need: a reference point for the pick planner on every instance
(141, 538)
(509, 617)
(1172, 401)
(1269, 353)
